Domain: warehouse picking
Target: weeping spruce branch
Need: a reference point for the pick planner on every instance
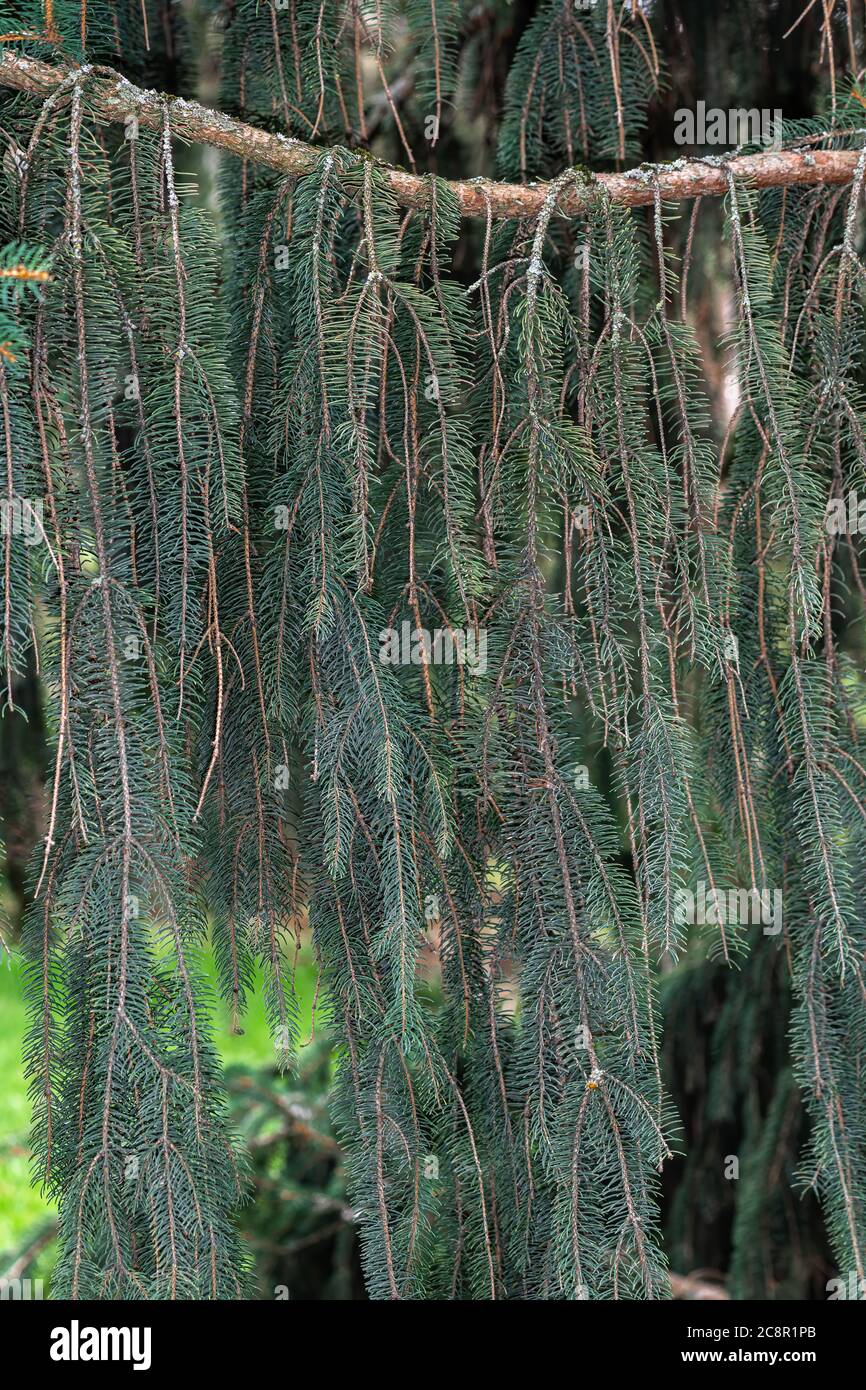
(116, 99)
(262, 457)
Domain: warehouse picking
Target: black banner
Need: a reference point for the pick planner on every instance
(232, 1339)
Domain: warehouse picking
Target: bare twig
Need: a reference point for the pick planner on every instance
(20, 1266)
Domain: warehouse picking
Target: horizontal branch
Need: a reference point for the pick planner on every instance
(116, 99)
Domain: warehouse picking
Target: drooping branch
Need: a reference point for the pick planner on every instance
(117, 99)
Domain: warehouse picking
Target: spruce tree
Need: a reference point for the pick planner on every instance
(387, 571)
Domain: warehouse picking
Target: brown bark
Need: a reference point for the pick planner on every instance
(114, 99)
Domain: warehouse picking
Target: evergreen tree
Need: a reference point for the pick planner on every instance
(392, 563)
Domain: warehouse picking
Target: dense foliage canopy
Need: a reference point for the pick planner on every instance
(442, 584)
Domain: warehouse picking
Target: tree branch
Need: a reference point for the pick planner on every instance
(116, 99)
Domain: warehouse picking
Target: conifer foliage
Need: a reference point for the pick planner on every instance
(387, 575)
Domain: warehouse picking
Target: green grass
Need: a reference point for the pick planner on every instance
(23, 1211)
